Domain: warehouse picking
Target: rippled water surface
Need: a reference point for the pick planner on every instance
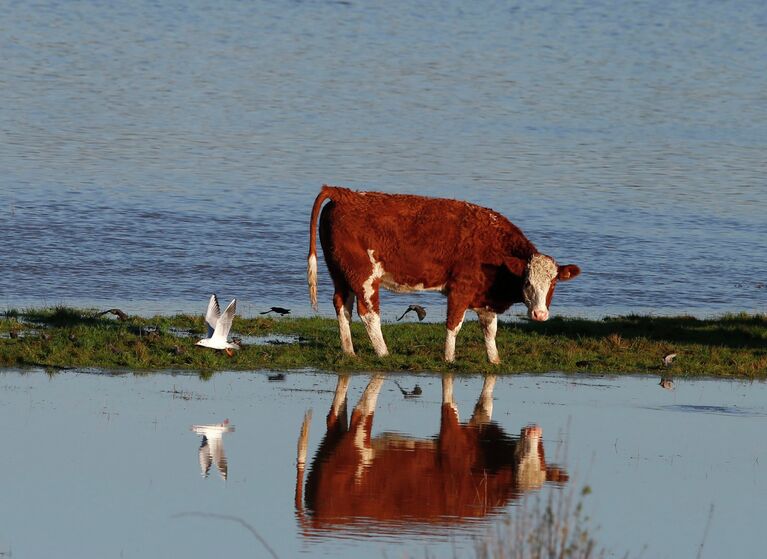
(156, 152)
(163, 465)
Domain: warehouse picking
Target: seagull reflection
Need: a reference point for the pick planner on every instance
(212, 447)
(467, 471)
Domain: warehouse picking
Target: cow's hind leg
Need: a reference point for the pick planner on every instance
(489, 322)
(371, 317)
(456, 310)
(368, 304)
(343, 300)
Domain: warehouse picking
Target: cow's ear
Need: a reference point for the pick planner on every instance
(515, 265)
(568, 272)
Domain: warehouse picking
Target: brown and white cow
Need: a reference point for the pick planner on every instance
(474, 255)
(467, 471)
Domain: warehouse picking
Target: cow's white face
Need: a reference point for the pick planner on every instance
(540, 278)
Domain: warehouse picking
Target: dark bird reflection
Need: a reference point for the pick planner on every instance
(393, 481)
(666, 383)
(409, 393)
(212, 447)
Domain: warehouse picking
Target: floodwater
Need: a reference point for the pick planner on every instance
(169, 465)
(154, 154)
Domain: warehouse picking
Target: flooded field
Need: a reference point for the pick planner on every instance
(155, 154)
(105, 465)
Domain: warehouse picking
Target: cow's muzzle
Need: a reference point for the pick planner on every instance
(539, 315)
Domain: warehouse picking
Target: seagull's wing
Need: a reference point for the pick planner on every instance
(205, 458)
(219, 458)
(224, 323)
(212, 315)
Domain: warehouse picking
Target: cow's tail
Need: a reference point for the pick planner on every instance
(311, 268)
(303, 445)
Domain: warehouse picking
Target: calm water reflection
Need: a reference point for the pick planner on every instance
(394, 483)
(212, 447)
(98, 465)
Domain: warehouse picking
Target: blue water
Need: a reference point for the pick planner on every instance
(155, 152)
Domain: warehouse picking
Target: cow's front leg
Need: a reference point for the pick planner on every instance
(483, 411)
(456, 311)
(489, 322)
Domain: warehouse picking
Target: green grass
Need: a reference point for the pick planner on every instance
(733, 346)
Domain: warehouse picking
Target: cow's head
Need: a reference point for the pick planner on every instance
(539, 278)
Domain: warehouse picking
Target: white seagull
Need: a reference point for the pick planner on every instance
(219, 326)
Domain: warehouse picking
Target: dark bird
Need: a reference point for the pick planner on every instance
(117, 312)
(277, 377)
(668, 359)
(419, 310)
(278, 310)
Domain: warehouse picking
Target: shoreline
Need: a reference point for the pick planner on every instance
(59, 338)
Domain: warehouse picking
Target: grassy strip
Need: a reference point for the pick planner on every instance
(732, 346)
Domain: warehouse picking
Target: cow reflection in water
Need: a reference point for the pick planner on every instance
(467, 471)
(212, 447)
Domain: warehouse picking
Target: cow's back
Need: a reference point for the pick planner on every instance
(415, 238)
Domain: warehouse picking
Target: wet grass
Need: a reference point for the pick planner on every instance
(733, 346)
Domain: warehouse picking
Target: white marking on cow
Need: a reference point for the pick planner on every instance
(541, 271)
(489, 322)
(373, 326)
(311, 278)
(376, 274)
(450, 342)
(366, 452)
